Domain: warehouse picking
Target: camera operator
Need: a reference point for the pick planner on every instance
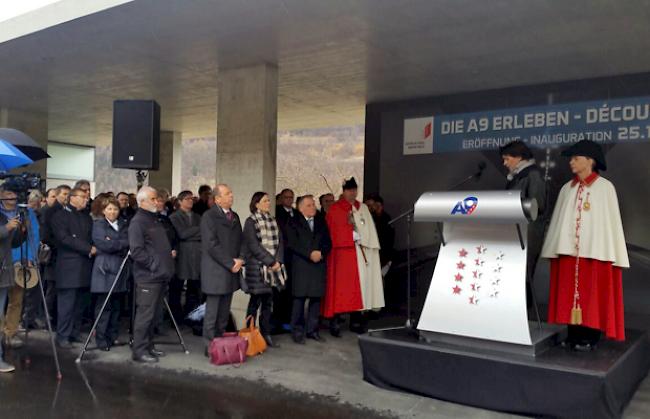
(33, 314)
(8, 240)
(26, 253)
(72, 230)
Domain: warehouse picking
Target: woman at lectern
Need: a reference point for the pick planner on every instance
(525, 175)
(586, 246)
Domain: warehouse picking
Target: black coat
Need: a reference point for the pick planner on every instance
(46, 231)
(256, 257)
(532, 185)
(112, 246)
(72, 232)
(221, 241)
(200, 207)
(188, 233)
(150, 249)
(386, 235)
(308, 278)
(169, 230)
(126, 214)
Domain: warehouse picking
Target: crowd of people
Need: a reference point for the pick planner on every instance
(299, 267)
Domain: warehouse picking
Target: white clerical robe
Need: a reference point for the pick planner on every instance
(601, 231)
(372, 286)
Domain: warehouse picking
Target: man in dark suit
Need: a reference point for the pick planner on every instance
(62, 193)
(72, 230)
(126, 212)
(309, 241)
(282, 298)
(187, 224)
(153, 268)
(221, 238)
(205, 196)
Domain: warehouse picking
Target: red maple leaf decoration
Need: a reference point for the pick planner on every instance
(458, 277)
(475, 287)
(475, 273)
(456, 289)
(460, 265)
(471, 300)
(478, 262)
(462, 253)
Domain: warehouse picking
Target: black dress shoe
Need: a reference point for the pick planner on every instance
(299, 339)
(146, 358)
(64, 344)
(335, 332)
(316, 336)
(269, 342)
(155, 352)
(583, 347)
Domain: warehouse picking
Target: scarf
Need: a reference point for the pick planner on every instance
(520, 166)
(268, 233)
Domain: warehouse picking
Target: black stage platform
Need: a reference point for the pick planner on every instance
(557, 383)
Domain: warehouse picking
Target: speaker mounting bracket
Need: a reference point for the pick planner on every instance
(141, 176)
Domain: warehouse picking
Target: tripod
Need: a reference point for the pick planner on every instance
(106, 301)
(26, 221)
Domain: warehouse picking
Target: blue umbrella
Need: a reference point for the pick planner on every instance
(24, 143)
(11, 157)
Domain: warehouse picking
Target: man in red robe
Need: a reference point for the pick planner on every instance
(352, 287)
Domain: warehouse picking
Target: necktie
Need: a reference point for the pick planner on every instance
(311, 223)
(229, 215)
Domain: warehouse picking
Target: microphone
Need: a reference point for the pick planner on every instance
(481, 167)
(477, 176)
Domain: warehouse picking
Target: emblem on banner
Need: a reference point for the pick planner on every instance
(466, 206)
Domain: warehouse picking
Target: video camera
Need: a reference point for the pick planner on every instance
(21, 184)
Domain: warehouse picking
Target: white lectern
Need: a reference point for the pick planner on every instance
(478, 288)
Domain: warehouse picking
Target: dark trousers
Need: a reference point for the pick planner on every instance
(175, 296)
(265, 301)
(217, 313)
(192, 297)
(108, 326)
(33, 307)
(282, 300)
(298, 324)
(148, 298)
(70, 306)
(50, 294)
(581, 335)
(160, 313)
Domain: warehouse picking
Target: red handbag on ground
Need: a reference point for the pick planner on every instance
(228, 349)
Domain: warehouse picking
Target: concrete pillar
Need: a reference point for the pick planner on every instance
(247, 113)
(168, 175)
(33, 124)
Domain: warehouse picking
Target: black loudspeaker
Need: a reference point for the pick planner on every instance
(136, 134)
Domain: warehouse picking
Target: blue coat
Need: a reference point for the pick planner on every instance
(112, 246)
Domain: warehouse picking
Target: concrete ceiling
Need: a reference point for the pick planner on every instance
(333, 56)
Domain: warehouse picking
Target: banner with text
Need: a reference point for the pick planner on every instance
(607, 121)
